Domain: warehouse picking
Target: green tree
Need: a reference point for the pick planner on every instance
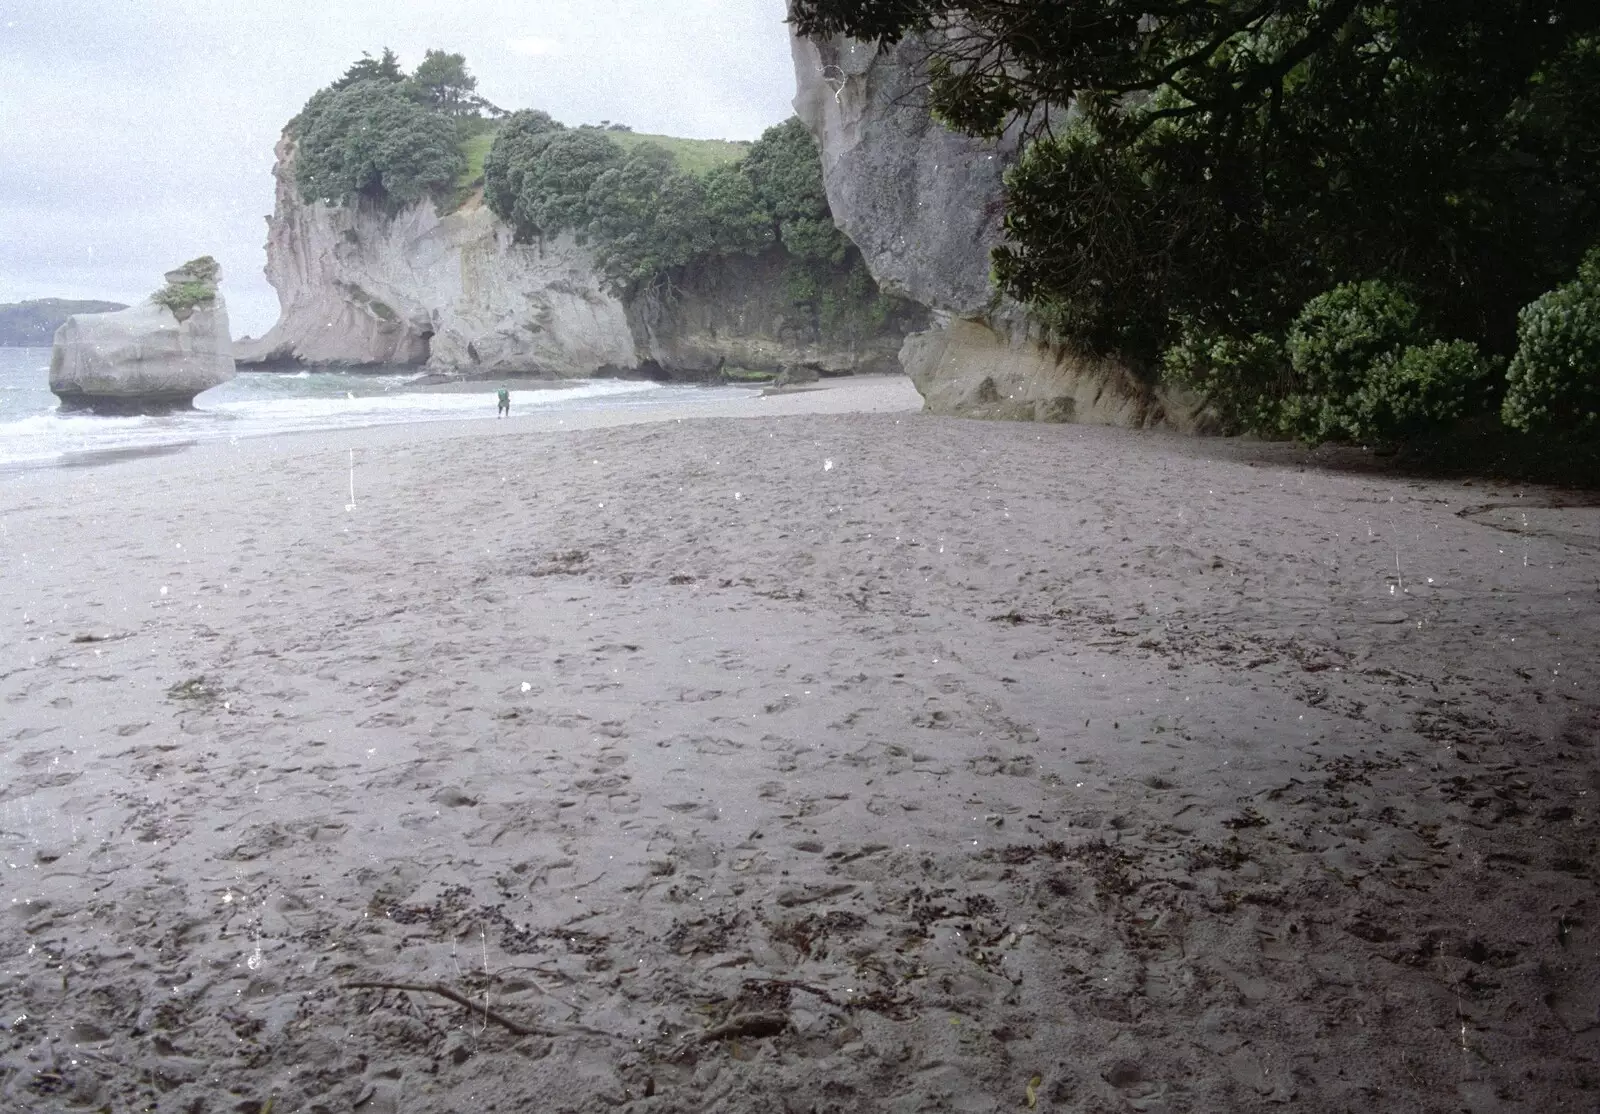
(739, 224)
(519, 141)
(538, 174)
(371, 140)
(385, 68)
(826, 277)
(1554, 382)
(785, 169)
(443, 82)
(647, 219)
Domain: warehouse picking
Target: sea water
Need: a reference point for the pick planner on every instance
(257, 403)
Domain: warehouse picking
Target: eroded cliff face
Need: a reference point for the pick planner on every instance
(925, 206)
(365, 285)
(733, 311)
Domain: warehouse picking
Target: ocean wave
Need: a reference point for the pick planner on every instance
(55, 424)
(326, 401)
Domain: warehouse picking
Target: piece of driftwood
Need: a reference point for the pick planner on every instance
(462, 1000)
(459, 999)
(747, 1025)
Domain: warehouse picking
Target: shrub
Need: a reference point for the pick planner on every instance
(1424, 387)
(181, 297)
(1243, 380)
(193, 284)
(1365, 368)
(204, 269)
(1339, 335)
(1334, 343)
(1554, 381)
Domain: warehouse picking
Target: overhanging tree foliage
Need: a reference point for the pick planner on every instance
(384, 68)
(380, 134)
(442, 82)
(647, 219)
(371, 140)
(1206, 167)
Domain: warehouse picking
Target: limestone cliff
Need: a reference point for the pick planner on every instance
(925, 207)
(361, 284)
(733, 311)
(367, 285)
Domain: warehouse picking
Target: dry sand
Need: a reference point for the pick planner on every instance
(858, 762)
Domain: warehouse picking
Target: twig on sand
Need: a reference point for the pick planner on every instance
(445, 992)
(753, 1025)
(747, 1025)
(482, 1009)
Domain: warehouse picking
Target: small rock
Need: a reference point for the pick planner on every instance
(451, 797)
(458, 1047)
(794, 375)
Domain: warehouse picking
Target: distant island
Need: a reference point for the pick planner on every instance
(34, 324)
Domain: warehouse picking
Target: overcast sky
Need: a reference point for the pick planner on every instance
(138, 133)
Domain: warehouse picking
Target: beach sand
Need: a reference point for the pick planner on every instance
(813, 759)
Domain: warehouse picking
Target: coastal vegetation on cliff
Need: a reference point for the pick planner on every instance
(651, 208)
(380, 134)
(190, 286)
(649, 217)
(1347, 219)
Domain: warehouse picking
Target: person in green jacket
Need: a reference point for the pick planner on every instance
(504, 410)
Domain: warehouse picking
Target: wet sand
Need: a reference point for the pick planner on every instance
(840, 761)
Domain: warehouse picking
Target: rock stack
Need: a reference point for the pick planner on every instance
(152, 358)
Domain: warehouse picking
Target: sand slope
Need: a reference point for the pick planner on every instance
(833, 763)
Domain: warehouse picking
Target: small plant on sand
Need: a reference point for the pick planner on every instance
(201, 690)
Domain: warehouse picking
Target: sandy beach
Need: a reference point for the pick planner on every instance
(809, 755)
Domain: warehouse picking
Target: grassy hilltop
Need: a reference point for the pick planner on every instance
(693, 156)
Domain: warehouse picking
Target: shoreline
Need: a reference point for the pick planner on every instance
(858, 394)
(874, 759)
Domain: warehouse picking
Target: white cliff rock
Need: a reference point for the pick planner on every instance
(925, 206)
(1003, 370)
(363, 285)
(734, 311)
(366, 285)
(144, 359)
